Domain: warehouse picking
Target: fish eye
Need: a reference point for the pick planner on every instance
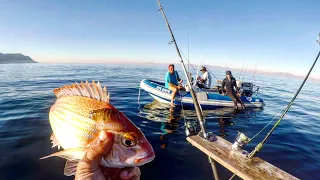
(128, 140)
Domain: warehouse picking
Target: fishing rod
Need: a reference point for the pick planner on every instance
(242, 140)
(200, 56)
(242, 69)
(244, 72)
(195, 101)
(198, 110)
(254, 74)
(188, 53)
(259, 146)
(188, 61)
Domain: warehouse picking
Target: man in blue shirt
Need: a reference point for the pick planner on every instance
(172, 81)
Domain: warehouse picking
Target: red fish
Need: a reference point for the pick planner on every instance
(80, 112)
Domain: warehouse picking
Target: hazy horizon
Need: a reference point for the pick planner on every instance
(178, 64)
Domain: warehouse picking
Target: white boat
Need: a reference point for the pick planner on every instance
(208, 98)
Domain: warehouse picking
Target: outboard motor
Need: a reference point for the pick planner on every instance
(246, 88)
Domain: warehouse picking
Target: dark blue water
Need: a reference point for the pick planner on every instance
(26, 96)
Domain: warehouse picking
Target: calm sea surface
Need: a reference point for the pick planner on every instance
(26, 96)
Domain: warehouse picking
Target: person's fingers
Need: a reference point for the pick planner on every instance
(131, 173)
(112, 173)
(97, 149)
(135, 174)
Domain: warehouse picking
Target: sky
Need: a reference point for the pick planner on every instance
(278, 36)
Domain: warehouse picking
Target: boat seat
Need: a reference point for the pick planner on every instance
(202, 96)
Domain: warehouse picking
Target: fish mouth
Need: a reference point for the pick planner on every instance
(146, 159)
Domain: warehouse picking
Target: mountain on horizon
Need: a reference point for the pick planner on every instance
(15, 58)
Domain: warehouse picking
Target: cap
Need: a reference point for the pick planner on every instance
(228, 72)
(203, 68)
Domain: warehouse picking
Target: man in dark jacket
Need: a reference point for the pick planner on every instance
(228, 85)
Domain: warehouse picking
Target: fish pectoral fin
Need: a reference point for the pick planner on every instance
(54, 141)
(115, 126)
(70, 167)
(69, 154)
(104, 115)
(107, 118)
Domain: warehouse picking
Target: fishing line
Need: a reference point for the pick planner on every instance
(259, 146)
(139, 96)
(197, 74)
(245, 72)
(201, 63)
(209, 71)
(143, 114)
(242, 69)
(139, 108)
(188, 53)
(265, 127)
(184, 118)
(255, 70)
(196, 103)
(188, 61)
(185, 123)
(232, 176)
(280, 112)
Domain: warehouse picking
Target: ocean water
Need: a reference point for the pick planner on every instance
(26, 95)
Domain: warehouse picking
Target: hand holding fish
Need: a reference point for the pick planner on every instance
(80, 120)
(88, 167)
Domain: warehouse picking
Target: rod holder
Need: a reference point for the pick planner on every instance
(255, 151)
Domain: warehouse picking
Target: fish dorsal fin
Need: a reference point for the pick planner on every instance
(86, 89)
(107, 118)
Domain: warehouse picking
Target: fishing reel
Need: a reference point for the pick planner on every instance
(191, 128)
(240, 141)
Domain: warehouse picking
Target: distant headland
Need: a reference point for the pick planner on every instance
(15, 59)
